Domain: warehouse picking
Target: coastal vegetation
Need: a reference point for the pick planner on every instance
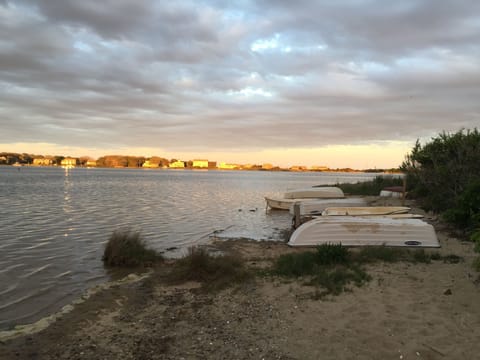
(372, 187)
(444, 176)
(333, 267)
(126, 248)
(213, 272)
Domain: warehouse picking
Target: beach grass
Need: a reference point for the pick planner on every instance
(476, 263)
(213, 272)
(335, 280)
(126, 248)
(333, 267)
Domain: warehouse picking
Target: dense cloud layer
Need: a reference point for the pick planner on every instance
(252, 75)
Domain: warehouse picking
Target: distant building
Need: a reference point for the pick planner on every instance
(69, 162)
(267, 166)
(91, 163)
(225, 166)
(42, 161)
(177, 165)
(319, 168)
(298, 168)
(149, 164)
(202, 164)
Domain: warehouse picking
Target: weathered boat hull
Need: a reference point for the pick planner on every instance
(279, 203)
(317, 206)
(365, 210)
(312, 206)
(325, 192)
(358, 231)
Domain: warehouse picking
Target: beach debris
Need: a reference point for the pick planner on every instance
(447, 292)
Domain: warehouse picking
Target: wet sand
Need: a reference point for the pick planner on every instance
(407, 311)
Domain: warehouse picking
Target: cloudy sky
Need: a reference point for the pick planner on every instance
(328, 82)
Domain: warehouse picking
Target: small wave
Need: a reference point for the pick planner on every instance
(26, 297)
(62, 274)
(11, 267)
(37, 245)
(35, 271)
(10, 288)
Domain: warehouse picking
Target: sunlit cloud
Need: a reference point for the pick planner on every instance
(236, 78)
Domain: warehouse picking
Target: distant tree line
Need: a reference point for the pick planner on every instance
(9, 158)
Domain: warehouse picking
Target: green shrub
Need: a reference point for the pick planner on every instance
(476, 263)
(372, 187)
(335, 280)
(329, 254)
(420, 256)
(466, 211)
(475, 237)
(442, 169)
(330, 268)
(214, 272)
(127, 249)
(451, 259)
(333, 267)
(307, 263)
(370, 254)
(296, 265)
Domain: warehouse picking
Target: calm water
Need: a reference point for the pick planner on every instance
(54, 222)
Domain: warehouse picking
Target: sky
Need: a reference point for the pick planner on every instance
(350, 83)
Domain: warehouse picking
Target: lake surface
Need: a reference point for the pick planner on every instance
(54, 222)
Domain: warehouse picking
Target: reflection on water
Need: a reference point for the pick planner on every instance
(55, 222)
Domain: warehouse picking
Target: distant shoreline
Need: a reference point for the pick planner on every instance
(338, 170)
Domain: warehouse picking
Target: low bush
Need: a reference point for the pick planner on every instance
(372, 187)
(335, 280)
(330, 268)
(476, 263)
(214, 272)
(420, 256)
(330, 254)
(127, 249)
(465, 213)
(296, 265)
(475, 237)
(371, 254)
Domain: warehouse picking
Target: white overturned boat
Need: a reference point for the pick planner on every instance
(365, 210)
(292, 196)
(279, 203)
(364, 231)
(323, 192)
(317, 206)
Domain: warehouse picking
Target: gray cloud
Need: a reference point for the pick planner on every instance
(250, 75)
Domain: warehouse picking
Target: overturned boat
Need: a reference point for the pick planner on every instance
(321, 192)
(317, 206)
(365, 210)
(279, 203)
(304, 194)
(365, 231)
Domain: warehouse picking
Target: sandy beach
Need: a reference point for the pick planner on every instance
(407, 311)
